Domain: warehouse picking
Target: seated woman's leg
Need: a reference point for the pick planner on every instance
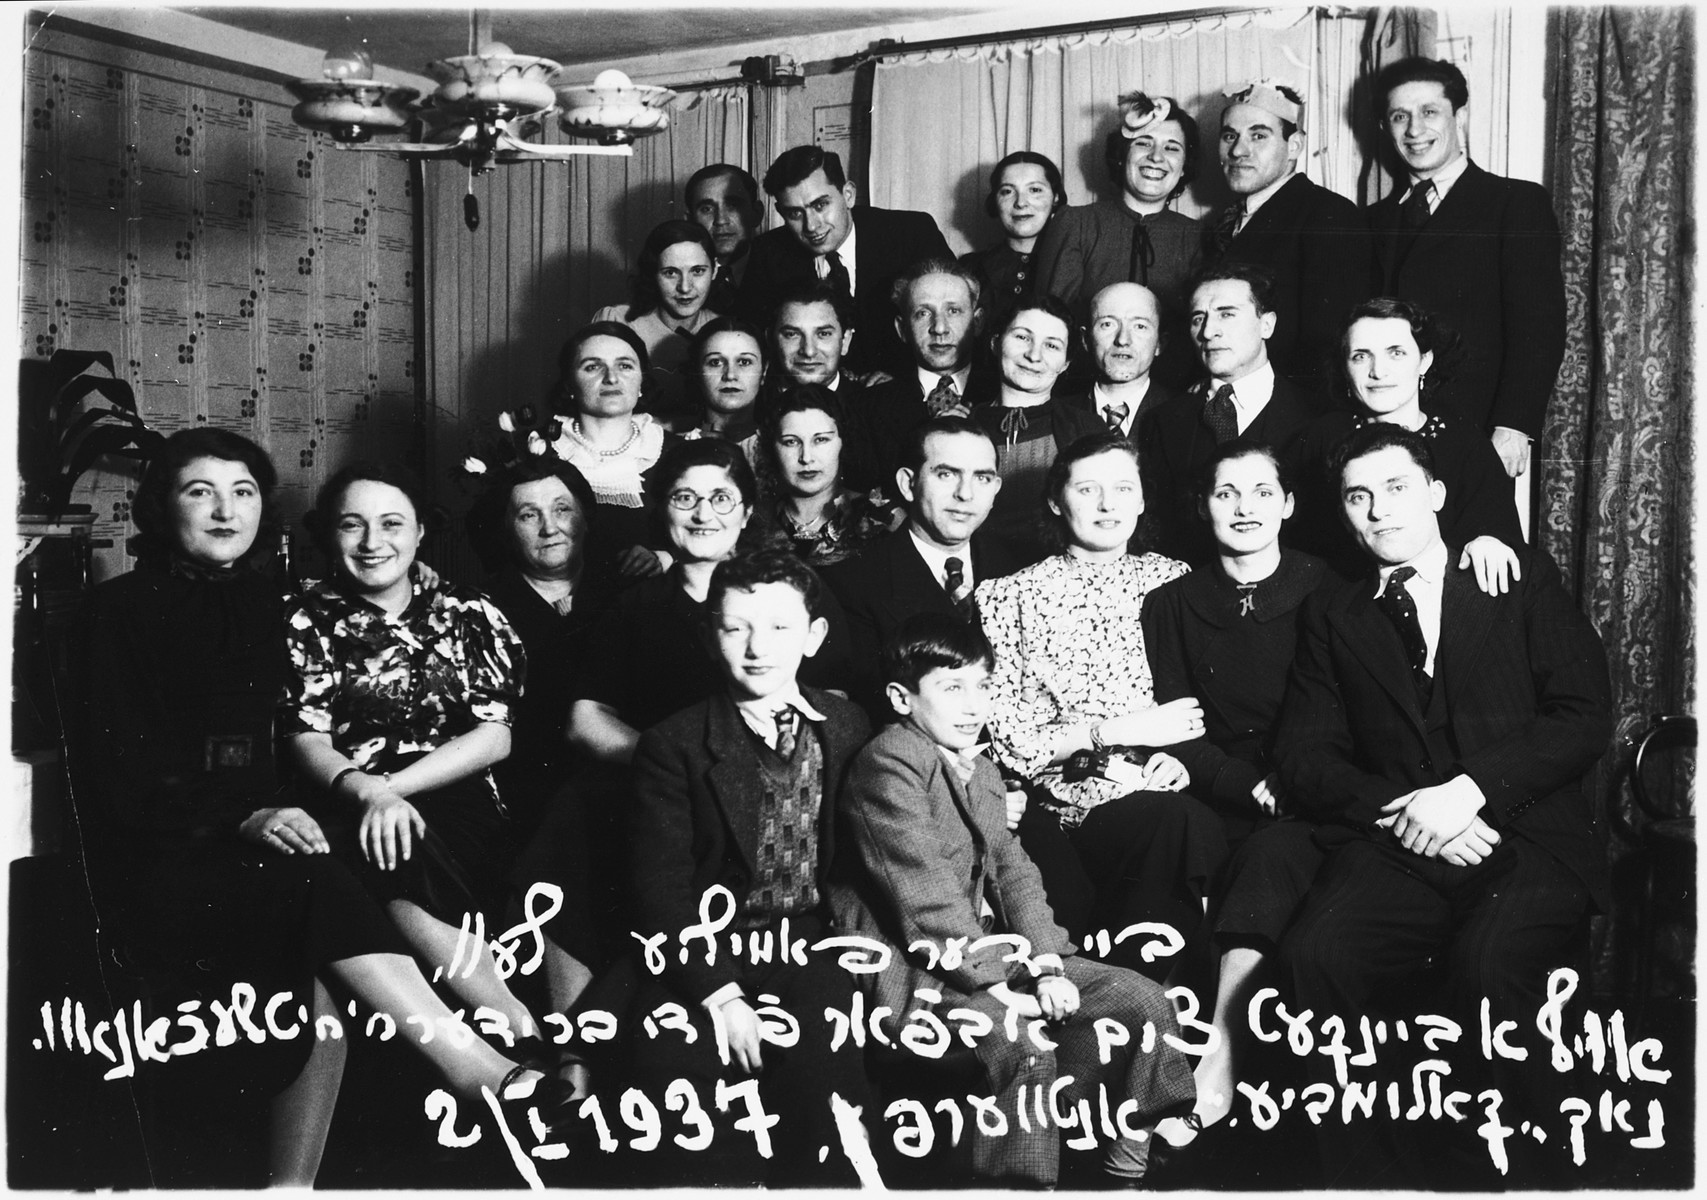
(1265, 883)
(1152, 856)
(301, 1115)
(473, 978)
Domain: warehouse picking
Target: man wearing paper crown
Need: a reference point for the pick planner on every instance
(1310, 240)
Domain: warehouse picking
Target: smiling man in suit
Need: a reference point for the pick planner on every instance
(858, 251)
(1440, 736)
(1311, 241)
(1480, 251)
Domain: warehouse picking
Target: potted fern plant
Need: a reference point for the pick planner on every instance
(70, 415)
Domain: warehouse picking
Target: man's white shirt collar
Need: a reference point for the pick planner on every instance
(760, 715)
(1442, 179)
(821, 262)
(1251, 394)
(928, 379)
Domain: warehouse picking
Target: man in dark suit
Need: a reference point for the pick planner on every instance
(1312, 241)
(858, 251)
(810, 334)
(948, 479)
(724, 200)
(739, 792)
(1441, 735)
(1232, 317)
(939, 314)
(1124, 332)
(1479, 251)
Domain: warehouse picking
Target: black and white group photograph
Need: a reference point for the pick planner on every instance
(871, 595)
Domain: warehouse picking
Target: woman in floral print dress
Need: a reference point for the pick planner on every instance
(1075, 715)
(398, 703)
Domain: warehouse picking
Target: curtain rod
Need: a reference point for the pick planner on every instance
(886, 48)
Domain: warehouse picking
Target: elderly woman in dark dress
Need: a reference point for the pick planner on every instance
(399, 701)
(1224, 636)
(195, 855)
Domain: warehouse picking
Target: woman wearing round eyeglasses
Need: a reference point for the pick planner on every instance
(647, 660)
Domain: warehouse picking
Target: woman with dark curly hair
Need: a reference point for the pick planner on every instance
(800, 479)
(199, 862)
(1075, 713)
(667, 308)
(399, 701)
(1393, 357)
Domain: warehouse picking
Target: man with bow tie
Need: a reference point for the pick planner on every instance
(1440, 737)
(1233, 317)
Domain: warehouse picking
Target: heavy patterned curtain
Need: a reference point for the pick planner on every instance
(556, 241)
(1617, 450)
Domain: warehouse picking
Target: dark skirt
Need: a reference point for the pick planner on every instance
(459, 867)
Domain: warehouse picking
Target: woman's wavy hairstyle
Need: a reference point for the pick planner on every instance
(644, 296)
(488, 523)
(156, 538)
(1430, 334)
(322, 521)
(1056, 534)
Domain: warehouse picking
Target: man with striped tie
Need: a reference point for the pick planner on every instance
(1125, 334)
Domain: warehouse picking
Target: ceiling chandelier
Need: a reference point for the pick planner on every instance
(487, 105)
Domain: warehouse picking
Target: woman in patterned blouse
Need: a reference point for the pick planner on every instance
(1075, 717)
(398, 704)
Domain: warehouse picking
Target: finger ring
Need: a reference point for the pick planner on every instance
(276, 830)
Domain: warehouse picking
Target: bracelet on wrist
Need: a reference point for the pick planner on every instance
(341, 776)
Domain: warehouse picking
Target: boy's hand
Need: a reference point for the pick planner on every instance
(1028, 1006)
(1058, 997)
(738, 1027)
(1016, 803)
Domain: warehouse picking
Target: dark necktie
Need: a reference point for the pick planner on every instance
(1219, 415)
(1142, 255)
(1395, 600)
(954, 583)
(787, 732)
(943, 396)
(1115, 415)
(838, 277)
(1221, 235)
(1416, 210)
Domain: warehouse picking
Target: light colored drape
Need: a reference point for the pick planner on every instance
(556, 242)
(941, 119)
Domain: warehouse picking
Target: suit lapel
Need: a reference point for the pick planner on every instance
(734, 770)
(1466, 615)
(912, 586)
(1371, 637)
